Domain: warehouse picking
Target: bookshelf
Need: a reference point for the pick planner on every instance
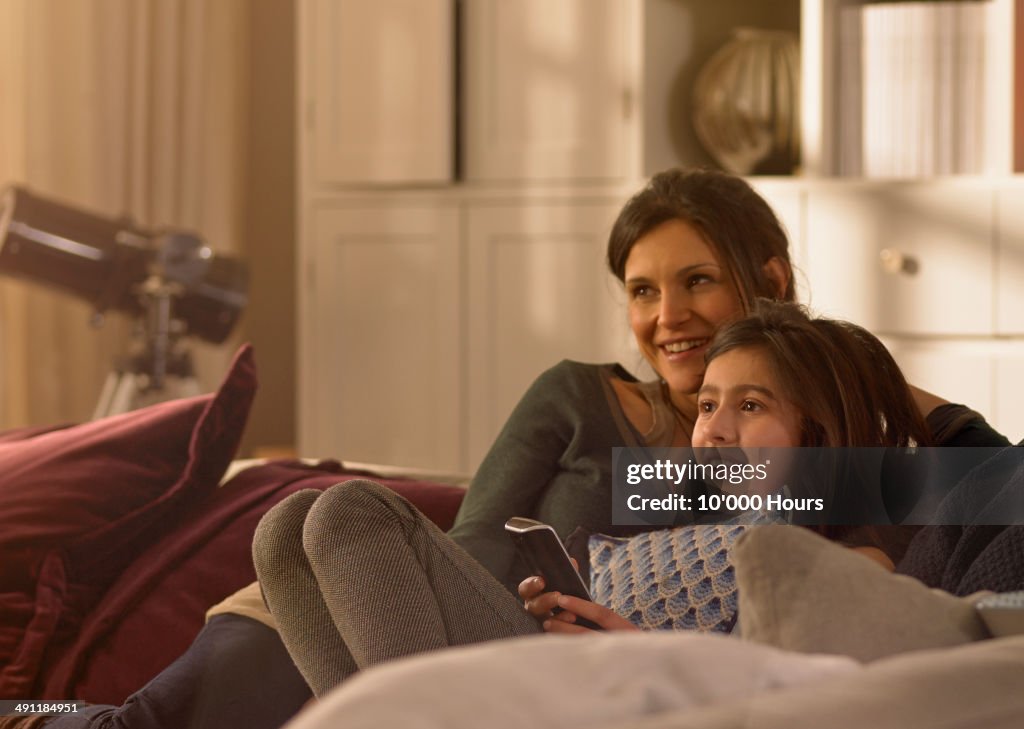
(826, 107)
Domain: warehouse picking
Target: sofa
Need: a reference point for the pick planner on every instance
(118, 534)
(826, 638)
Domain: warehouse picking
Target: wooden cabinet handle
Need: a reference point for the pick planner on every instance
(894, 262)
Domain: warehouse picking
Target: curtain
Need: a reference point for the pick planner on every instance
(120, 107)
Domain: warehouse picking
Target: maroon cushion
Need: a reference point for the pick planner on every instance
(77, 505)
(31, 431)
(154, 610)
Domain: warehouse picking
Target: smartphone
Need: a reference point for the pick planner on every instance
(1003, 613)
(545, 555)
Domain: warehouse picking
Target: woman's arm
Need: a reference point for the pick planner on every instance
(519, 467)
(955, 425)
(926, 401)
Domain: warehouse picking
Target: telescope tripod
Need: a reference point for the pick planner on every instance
(131, 384)
(161, 369)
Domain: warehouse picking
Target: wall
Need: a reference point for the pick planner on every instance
(269, 234)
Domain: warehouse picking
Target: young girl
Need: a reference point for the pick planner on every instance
(776, 379)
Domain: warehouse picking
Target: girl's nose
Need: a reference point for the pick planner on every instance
(720, 428)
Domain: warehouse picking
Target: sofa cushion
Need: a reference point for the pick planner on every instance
(567, 681)
(799, 591)
(205, 557)
(964, 687)
(670, 579)
(78, 504)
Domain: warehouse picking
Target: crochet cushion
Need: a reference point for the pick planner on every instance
(672, 579)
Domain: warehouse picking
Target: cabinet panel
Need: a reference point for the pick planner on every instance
(1008, 410)
(903, 259)
(539, 293)
(961, 372)
(550, 89)
(382, 355)
(381, 85)
(1010, 261)
(983, 374)
(788, 202)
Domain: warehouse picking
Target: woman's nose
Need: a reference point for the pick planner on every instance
(675, 310)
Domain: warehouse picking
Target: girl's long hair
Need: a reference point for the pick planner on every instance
(849, 392)
(846, 386)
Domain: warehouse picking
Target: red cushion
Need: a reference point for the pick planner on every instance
(154, 610)
(31, 431)
(78, 505)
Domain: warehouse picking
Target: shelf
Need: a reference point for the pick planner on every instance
(679, 38)
(825, 117)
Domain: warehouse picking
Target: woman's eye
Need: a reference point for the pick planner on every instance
(640, 292)
(697, 279)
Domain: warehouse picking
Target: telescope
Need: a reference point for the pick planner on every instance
(169, 280)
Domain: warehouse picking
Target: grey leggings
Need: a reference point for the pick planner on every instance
(355, 575)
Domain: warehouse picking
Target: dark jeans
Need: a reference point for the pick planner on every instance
(236, 673)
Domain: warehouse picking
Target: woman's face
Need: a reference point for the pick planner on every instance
(679, 293)
(740, 405)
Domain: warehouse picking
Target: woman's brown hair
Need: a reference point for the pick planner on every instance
(734, 220)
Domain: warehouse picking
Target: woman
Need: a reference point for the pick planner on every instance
(356, 576)
(693, 250)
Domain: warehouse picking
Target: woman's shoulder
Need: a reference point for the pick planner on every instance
(576, 389)
(952, 424)
(572, 371)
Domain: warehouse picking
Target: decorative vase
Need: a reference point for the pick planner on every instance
(747, 103)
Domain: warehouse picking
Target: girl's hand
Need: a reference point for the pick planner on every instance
(540, 605)
(564, 622)
(536, 601)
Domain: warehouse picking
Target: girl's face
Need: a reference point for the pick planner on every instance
(679, 293)
(740, 405)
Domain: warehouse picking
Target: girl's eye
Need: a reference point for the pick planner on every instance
(751, 406)
(705, 407)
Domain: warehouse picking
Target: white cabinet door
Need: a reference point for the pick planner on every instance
(381, 367)
(1010, 260)
(550, 89)
(903, 258)
(961, 372)
(1008, 411)
(539, 292)
(788, 201)
(378, 80)
(984, 374)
